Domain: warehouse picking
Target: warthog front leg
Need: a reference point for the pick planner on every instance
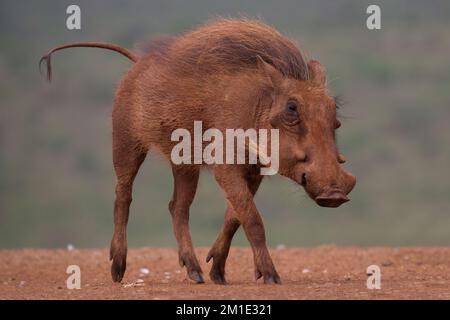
(185, 186)
(221, 247)
(232, 180)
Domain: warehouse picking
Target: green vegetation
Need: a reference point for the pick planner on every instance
(56, 174)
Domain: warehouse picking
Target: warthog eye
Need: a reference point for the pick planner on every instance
(291, 116)
(291, 106)
(338, 124)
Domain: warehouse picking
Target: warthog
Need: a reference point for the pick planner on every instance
(227, 74)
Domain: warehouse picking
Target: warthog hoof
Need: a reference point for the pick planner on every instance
(118, 268)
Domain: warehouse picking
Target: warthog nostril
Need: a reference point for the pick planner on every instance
(303, 180)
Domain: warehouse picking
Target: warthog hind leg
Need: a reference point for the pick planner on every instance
(127, 160)
(185, 186)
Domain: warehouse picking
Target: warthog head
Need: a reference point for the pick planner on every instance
(305, 115)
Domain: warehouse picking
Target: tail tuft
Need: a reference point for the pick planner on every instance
(47, 60)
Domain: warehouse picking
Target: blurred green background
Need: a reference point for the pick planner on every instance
(56, 174)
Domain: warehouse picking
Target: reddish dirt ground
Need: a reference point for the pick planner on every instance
(326, 272)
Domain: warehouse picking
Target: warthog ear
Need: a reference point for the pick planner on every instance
(317, 73)
(273, 74)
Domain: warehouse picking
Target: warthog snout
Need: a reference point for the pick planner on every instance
(331, 199)
(330, 195)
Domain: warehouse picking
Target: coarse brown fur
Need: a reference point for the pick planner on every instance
(228, 74)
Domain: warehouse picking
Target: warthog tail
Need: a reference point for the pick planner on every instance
(47, 57)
